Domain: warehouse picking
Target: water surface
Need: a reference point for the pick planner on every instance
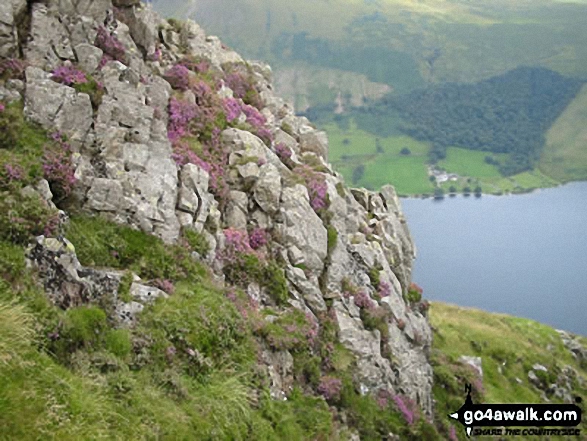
(524, 255)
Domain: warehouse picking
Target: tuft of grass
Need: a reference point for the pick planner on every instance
(16, 333)
(332, 238)
(99, 242)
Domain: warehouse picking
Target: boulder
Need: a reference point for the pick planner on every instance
(57, 107)
(267, 190)
(302, 227)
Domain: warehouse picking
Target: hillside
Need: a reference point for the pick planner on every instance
(178, 260)
(410, 47)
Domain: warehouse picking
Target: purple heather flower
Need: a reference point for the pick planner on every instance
(232, 108)
(69, 75)
(406, 407)
(330, 387)
(363, 301)
(179, 77)
(384, 289)
(110, 45)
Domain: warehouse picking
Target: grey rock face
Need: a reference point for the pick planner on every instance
(10, 11)
(280, 369)
(302, 227)
(314, 142)
(57, 107)
(126, 172)
(88, 56)
(267, 191)
(237, 210)
(309, 290)
(66, 282)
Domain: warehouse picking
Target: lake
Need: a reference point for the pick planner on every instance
(524, 255)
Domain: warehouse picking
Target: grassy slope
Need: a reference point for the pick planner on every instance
(503, 342)
(565, 155)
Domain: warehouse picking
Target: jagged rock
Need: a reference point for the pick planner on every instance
(210, 47)
(107, 195)
(245, 144)
(127, 173)
(96, 10)
(280, 369)
(126, 3)
(146, 294)
(67, 283)
(374, 371)
(9, 13)
(236, 210)
(127, 313)
(49, 39)
(284, 138)
(309, 290)
(57, 107)
(88, 56)
(267, 190)
(539, 367)
(302, 227)
(573, 345)
(534, 379)
(249, 172)
(414, 373)
(314, 142)
(143, 24)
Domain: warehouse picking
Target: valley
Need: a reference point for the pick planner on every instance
(335, 59)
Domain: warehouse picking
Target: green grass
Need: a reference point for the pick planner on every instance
(353, 147)
(503, 342)
(187, 370)
(409, 174)
(469, 163)
(565, 154)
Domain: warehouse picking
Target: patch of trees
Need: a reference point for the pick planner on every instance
(509, 113)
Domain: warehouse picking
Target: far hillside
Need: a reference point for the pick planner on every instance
(336, 59)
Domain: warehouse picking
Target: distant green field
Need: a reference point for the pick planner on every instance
(356, 48)
(469, 163)
(565, 155)
(354, 147)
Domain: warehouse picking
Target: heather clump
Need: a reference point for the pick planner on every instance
(407, 407)
(317, 188)
(244, 265)
(292, 330)
(25, 216)
(178, 77)
(284, 153)
(111, 46)
(12, 68)
(330, 388)
(258, 238)
(240, 79)
(58, 168)
(414, 294)
(69, 75)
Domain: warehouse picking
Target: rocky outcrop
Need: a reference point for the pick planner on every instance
(266, 170)
(69, 284)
